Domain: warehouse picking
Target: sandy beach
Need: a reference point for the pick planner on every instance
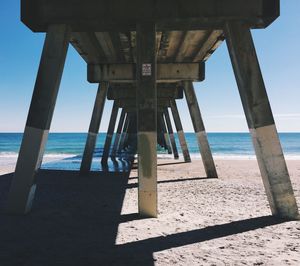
(188, 203)
(83, 221)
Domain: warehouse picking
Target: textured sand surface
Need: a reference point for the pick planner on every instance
(190, 205)
(93, 220)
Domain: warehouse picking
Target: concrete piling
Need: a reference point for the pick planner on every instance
(166, 135)
(123, 136)
(118, 133)
(260, 121)
(199, 128)
(39, 118)
(146, 118)
(94, 128)
(109, 134)
(180, 133)
(171, 133)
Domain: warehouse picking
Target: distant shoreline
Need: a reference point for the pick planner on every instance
(58, 163)
(189, 132)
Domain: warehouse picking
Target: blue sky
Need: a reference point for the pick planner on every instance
(277, 48)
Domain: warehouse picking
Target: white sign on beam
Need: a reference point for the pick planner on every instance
(146, 69)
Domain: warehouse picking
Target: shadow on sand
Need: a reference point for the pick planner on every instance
(134, 185)
(74, 221)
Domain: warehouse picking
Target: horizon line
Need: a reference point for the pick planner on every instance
(104, 132)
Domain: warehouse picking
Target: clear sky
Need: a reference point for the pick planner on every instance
(277, 48)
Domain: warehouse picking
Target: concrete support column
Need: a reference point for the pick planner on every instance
(94, 128)
(127, 132)
(39, 118)
(118, 133)
(146, 96)
(199, 128)
(131, 139)
(124, 133)
(160, 135)
(171, 133)
(260, 121)
(178, 125)
(110, 132)
(166, 135)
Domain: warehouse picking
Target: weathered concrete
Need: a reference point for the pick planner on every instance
(260, 121)
(171, 133)
(123, 136)
(102, 15)
(146, 118)
(199, 128)
(180, 133)
(160, 135)
(130, 104)
(166, 135)
(94, 128)
(118, 133)
(127, 72)
(109, 134)
(41, 109)
(121, 91)
(131, 136)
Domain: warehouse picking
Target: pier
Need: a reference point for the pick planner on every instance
(145, 56)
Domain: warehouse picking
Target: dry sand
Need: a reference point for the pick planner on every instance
(189, 203)
(201, 221)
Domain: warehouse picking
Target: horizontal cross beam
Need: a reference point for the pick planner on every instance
(132, 109)
(169, 72)
(124, 92)
(119, 15)
(163, 102)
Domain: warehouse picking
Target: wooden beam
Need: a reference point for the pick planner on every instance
(126, 46)
(211, 43)
(107, 46)
(191, 42)
(171, 42)
(87, 45)
(127, 72)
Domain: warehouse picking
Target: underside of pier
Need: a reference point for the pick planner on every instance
(145, 55)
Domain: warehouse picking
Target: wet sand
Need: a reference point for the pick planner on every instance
(92, 220)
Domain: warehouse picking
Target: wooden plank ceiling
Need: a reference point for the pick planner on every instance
(172, 46)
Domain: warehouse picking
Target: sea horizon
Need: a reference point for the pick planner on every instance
(65, 149)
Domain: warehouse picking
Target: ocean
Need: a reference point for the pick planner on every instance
(65, 149)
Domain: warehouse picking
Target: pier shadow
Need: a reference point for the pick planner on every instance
(161, 164)
(164, 164)
(75, 219)
(134, 185)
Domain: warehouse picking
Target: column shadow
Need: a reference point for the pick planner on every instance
(75, 219)
(163, 164)
(134, 185)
